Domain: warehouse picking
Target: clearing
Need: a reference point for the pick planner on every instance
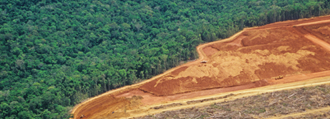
(270, 55)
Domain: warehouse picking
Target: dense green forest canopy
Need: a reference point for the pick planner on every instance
(56, 53)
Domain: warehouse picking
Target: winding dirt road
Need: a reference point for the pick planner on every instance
(134, 101)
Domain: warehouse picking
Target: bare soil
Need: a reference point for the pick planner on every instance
(277, 53)
(253, 56)
(322, 31)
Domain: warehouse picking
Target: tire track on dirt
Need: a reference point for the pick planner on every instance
(313, 38)
(318, 41)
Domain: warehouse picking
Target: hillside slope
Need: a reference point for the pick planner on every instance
(288, 53)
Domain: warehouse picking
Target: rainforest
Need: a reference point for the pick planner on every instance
(56, 53)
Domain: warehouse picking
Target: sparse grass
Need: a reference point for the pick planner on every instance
(262, 110)
(225, 108)
(202, 116)
(176, 117)
(215, 106)
(284, 104)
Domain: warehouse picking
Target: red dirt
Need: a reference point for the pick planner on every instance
(209, 51)
(321, 31)
(251, 58)
(109, 103)
(149, 99)
(176, 72)
(264, 54)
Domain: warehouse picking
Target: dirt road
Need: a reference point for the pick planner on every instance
(300, 58)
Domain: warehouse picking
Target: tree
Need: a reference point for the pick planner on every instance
(164, 59)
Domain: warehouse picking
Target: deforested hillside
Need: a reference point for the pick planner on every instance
(277, 56)
(56, 53)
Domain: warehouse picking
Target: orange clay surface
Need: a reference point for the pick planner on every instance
(276, 53)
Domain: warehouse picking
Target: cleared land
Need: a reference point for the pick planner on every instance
(309, 102)
(257, 55)
(273, 54)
